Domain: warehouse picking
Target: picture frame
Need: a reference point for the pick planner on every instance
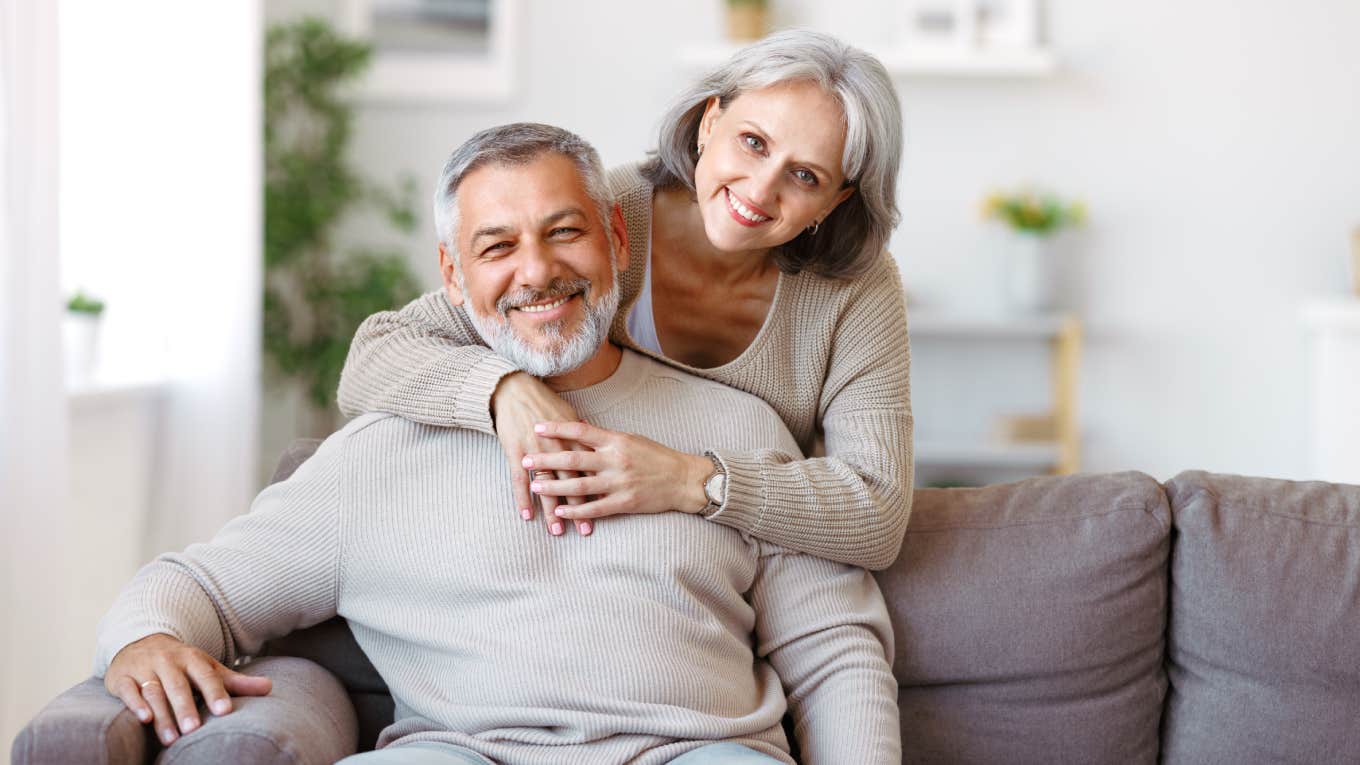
(1007, 23)
(436, 51)
(938, 24)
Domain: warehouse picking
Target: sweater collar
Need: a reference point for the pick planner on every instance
(606, 394)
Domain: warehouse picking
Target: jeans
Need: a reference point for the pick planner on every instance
(429, 753)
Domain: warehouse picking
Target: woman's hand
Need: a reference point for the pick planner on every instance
(626, 472)
(519, 401)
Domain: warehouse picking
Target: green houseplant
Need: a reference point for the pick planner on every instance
(1033, 218)
(317, 289)
(80, 336)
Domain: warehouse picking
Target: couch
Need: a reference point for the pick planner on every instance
(1076, 619)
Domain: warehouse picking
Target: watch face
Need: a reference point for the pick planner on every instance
(714, 486)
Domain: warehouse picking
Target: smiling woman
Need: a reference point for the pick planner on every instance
(757, 233)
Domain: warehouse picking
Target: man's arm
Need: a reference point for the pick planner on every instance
(824, 628)
(265, 574)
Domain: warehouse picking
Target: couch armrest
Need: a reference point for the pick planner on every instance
(84, 724)
(307, 718)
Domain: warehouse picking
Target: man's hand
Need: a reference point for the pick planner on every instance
(159, 673)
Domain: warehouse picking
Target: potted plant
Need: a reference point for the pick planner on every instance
(1033, 218)
(80, 336)
(747, 19)
(318, 285)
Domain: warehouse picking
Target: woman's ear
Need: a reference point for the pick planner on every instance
(712, 111)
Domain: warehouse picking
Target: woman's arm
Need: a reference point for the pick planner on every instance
(852, 505)
(425, 363)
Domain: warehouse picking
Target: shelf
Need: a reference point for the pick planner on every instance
(1039, 456)
(924, 324)
(929, 62)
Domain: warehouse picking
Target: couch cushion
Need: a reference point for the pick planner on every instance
(1264, 635)
(1029, 621)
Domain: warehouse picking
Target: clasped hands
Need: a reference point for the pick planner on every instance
(592, 472)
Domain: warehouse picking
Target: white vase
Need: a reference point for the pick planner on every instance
(1029, 273)
(80, 346)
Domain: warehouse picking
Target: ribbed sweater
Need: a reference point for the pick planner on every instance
(656, 635)
(832, 359)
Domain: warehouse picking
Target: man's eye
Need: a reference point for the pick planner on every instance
(496, 248)
(806, 177)
(753, 142)
(564, 232)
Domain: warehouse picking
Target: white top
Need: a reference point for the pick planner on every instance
(641, 321)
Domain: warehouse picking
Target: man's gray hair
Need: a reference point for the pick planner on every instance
(857, 232)
(515, 144)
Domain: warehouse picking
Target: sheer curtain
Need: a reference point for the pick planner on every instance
(36, 651)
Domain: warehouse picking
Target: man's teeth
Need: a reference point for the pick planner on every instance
(743, 210)
(545, 306)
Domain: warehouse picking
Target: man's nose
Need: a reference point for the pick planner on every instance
(537, 264)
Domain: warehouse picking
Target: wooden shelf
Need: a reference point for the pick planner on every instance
(928, 62)
(1042, 457)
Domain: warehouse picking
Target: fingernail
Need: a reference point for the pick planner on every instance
(143, 715)
(167, 737)
(557, 529)
(187, 724)
(540, 428)
(221, 706)
(560, 512)
(527, 462)
(535, 487)
(586, 528)
(526, 513)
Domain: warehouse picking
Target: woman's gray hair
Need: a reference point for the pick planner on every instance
(515, 144)
(857, 231)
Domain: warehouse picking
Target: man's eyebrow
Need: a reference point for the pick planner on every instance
(820, 170)
(488, 231)
(565, 212)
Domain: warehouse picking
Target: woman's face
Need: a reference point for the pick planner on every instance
(771, 165)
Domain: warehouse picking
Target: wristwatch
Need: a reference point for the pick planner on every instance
(715, 487)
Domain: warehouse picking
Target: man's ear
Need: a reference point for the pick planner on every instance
(712, 111)
(619, 230)
(449, 273)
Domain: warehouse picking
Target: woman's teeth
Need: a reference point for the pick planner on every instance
(743, 210)
(545, 306)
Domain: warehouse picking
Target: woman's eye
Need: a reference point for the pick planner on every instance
(753, 142)
(806, 177)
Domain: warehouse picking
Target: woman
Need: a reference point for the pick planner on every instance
(762, 222)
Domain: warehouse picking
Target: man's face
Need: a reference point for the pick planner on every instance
(534, 268)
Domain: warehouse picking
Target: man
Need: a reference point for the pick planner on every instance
(402, 529)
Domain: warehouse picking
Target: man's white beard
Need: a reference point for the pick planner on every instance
(570, 352)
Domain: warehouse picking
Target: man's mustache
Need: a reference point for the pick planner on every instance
(557, 288)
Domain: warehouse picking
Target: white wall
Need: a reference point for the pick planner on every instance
(1213, 141)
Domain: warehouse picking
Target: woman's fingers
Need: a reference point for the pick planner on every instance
(125, 688)
(164, 721)
(580, 487)
(598, 508)
(582, 461)
(576, 430)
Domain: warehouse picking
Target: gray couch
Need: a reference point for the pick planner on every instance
(1082, 619)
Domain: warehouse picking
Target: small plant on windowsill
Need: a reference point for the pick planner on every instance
(80, 336)
(1033, 212)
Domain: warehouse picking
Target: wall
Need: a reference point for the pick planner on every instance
(1212, 141)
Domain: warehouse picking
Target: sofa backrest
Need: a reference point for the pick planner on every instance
(1029, 621)
(1264, 634)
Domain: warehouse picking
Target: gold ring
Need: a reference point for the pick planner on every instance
(149, 682)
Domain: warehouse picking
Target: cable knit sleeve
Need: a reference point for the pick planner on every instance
(853, 504)
(425, 363)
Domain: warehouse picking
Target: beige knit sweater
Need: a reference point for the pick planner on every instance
(833, 355)
(654, 636)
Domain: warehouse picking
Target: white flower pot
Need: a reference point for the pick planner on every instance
(80, 346)
(1029, 273)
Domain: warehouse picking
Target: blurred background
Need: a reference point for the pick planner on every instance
(1129, 238)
